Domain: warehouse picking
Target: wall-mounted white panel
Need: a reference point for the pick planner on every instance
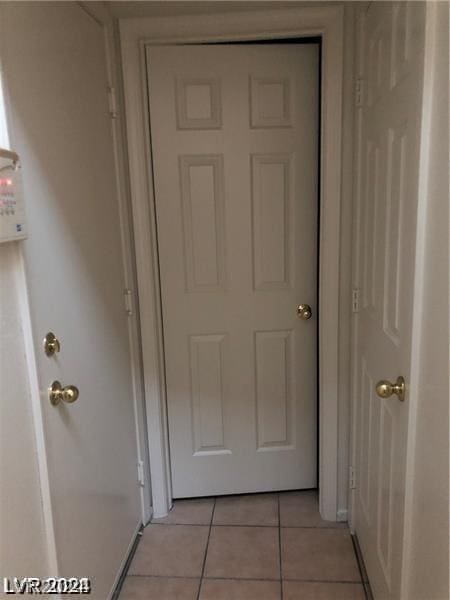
(272, 208)
(12, 210)
(207, 377)
(202, 194)
(274, 388)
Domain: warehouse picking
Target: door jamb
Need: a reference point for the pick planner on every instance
(135, 34)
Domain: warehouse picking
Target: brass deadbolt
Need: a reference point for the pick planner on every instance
(304, 311)
(51, 344)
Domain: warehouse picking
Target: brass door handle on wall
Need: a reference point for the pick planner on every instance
(57, 393)
(385, 389)
(304, 311)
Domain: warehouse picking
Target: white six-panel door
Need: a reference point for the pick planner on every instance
(235, 146)
(392, 65)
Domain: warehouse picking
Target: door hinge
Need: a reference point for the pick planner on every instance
(359, 92)
(112, 102)
(352, 478)
(140, 470)
(128, 298)
(356, 300)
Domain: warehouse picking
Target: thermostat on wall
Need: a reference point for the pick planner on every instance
(12, 210)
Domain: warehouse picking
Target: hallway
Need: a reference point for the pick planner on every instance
(224, 272)
(245, 548)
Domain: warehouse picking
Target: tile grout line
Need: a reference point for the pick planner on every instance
(209, 523)
(206, 550)
(319, 527)
(279, 547)
(224, 578)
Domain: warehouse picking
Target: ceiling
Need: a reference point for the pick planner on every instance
(124, 9)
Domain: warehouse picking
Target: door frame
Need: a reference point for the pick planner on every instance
(135, 34)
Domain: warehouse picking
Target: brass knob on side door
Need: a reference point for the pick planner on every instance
(385, 389)
(57, 393)
(304, 311)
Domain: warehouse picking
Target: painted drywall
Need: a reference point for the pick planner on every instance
(23, 550)
(22, 539)
(58, 100)
(345, 261)
(20, 61)
(101, 12)
(427, 551)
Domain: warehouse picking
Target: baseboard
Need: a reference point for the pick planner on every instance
(121, 573)
(362, 568)
(150, 517)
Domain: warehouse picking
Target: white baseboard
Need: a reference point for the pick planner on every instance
(342, 515)
(150, 516)
(124, 561)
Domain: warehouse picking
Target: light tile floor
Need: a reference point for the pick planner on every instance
(255, 547)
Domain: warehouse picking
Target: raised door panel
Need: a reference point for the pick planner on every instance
(371, 218)
(207, 356)
(385, 499)
(202, 196)
(274, 389)
(270, 101)
(394, 230)
(272, 208)
(198, 103)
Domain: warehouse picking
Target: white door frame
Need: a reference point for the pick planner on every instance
(136, 33)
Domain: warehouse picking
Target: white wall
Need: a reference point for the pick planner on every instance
(345, 261)
(22, 539)
(427, 525)
(26, 545)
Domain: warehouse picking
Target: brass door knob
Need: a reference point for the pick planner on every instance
(57, 393)
(51, 344)
(385, 389)
(304, 311)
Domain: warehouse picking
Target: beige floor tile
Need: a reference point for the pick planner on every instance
(227, 589)
(189, 512)
(159, 588)
(302, 590)
(247, 510)
(318, 554)
(243, 552)
(301, 509)
(171, 551)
